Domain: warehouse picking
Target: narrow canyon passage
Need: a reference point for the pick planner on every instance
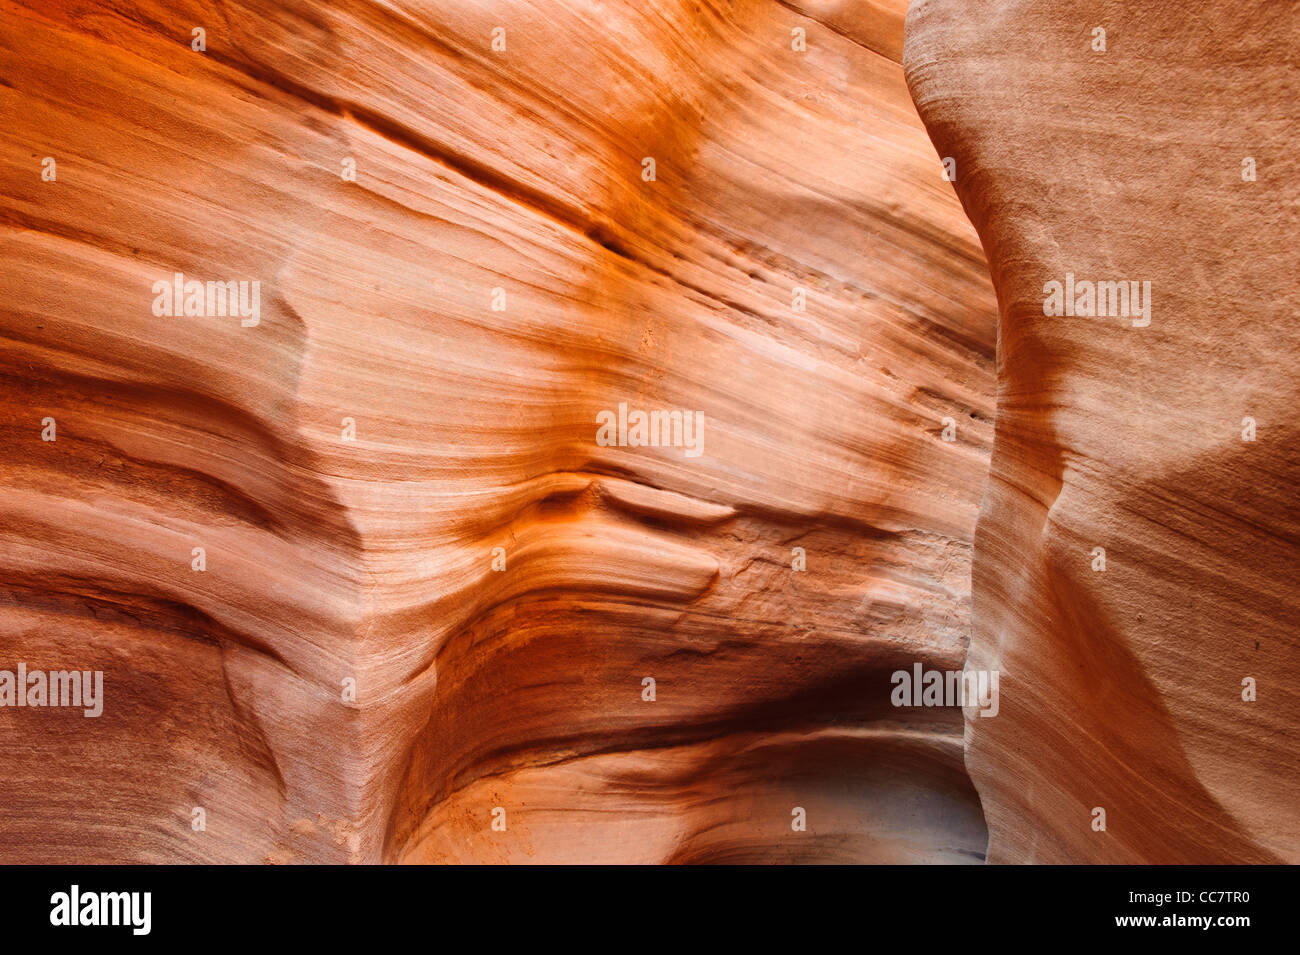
(518, 431)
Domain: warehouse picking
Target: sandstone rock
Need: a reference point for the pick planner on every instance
(1160, 154)
(351, 462)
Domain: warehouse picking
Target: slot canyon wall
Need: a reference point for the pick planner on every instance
(429, 596)
(370, 579)
(1137, 555)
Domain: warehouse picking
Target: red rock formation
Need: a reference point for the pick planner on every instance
(782, 175)
(1157, 150)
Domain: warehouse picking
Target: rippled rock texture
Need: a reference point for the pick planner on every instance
(1137, 555)
(363, 578)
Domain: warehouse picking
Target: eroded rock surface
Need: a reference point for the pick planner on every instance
(1158, 151)
(782, 177)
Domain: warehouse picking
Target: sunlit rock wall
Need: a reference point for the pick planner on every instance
(363, 577)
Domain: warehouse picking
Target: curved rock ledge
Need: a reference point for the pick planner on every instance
(427, 591)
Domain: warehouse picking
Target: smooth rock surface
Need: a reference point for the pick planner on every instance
(328, 560)
(1122, 688)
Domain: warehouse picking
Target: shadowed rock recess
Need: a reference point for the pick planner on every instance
(1138, 549)
(364, 580)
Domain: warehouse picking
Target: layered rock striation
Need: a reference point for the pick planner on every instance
(1135, 565)
(364, 579)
